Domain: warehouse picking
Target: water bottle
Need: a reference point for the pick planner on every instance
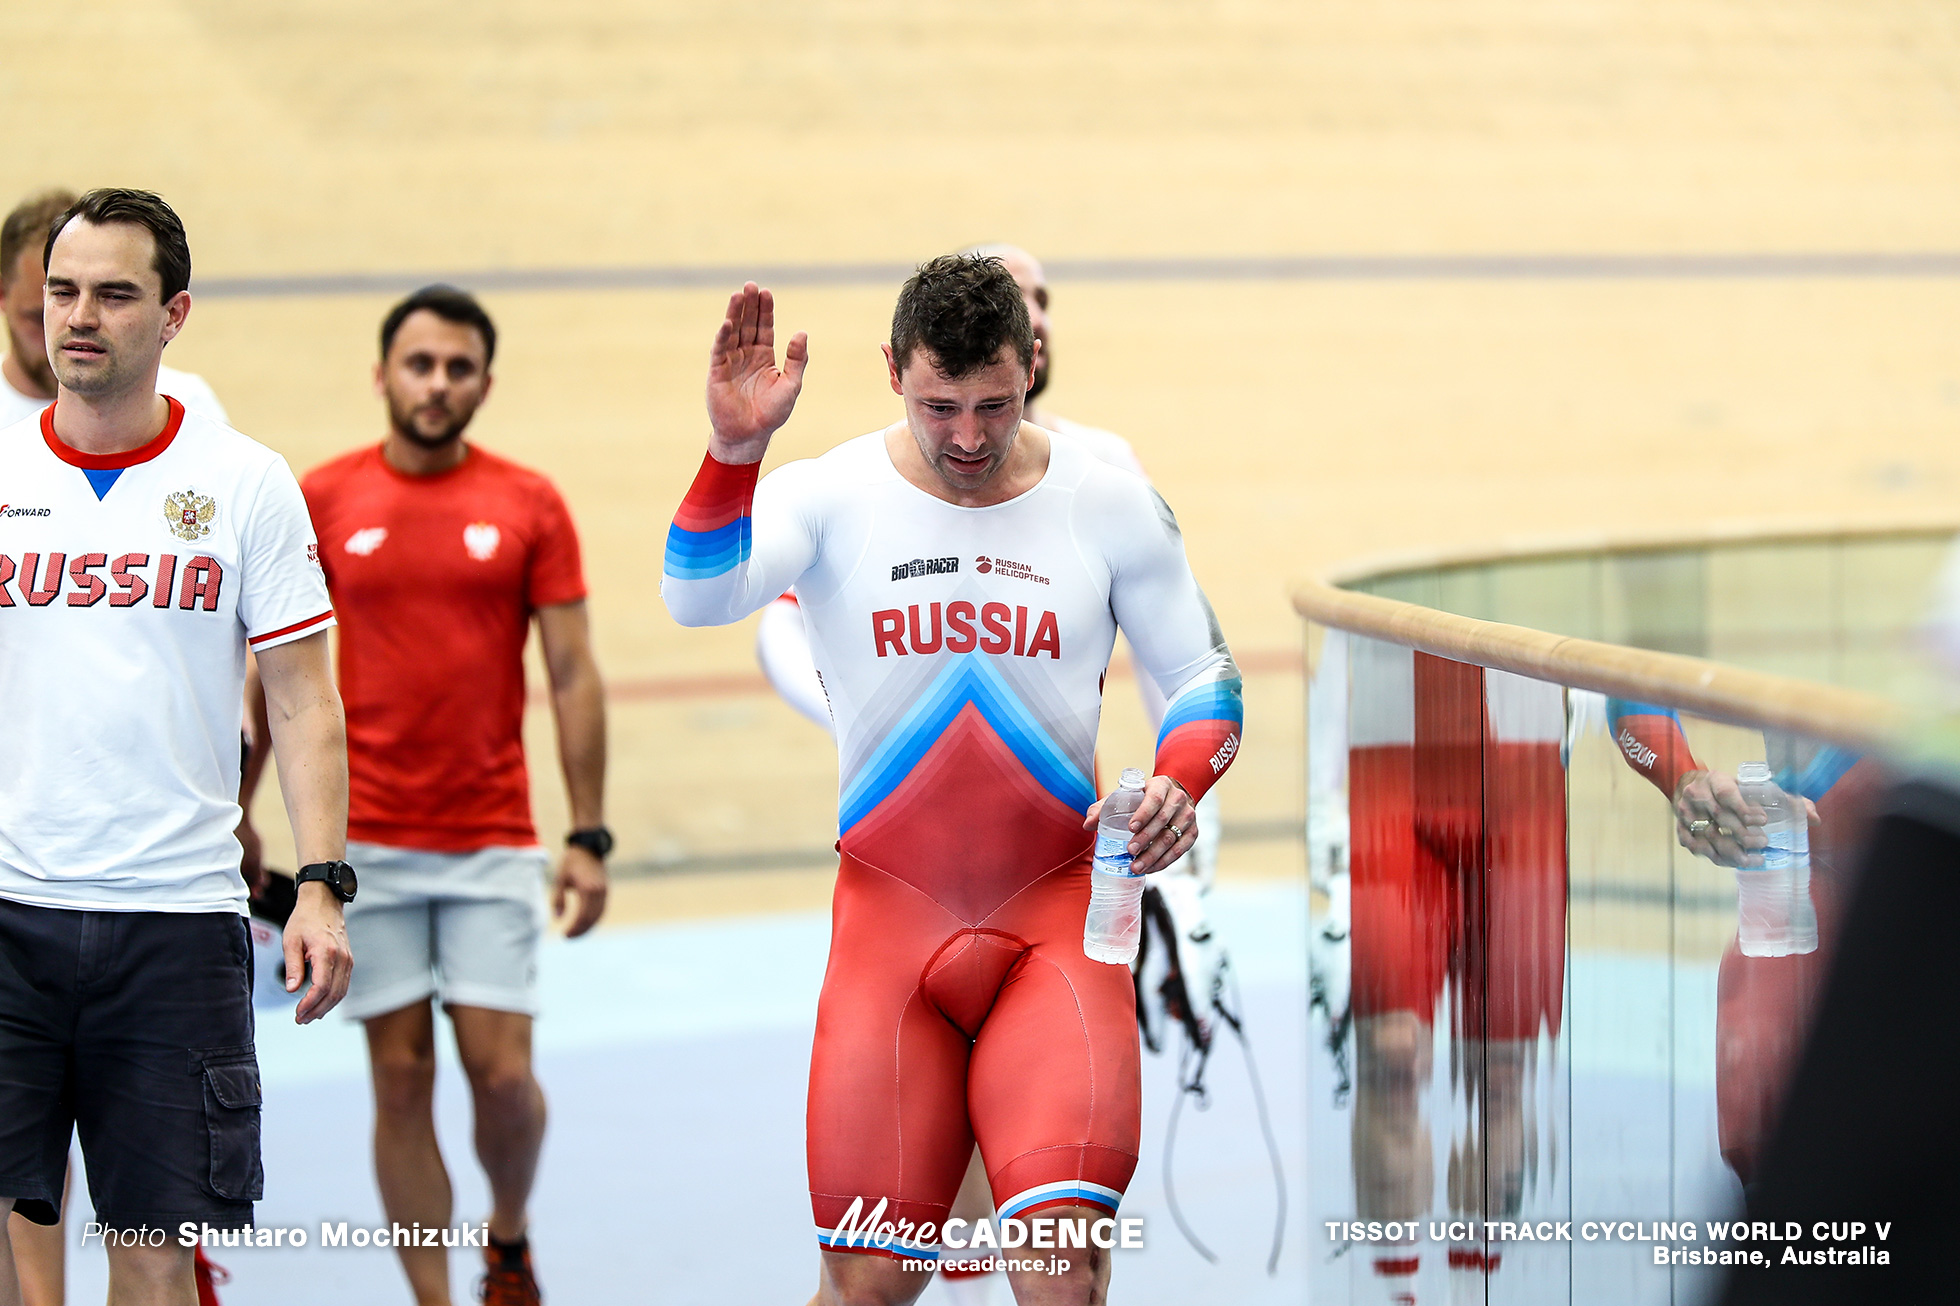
(1774, 915)
(1115, 920)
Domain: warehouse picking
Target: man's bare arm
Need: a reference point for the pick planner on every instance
(258, 747)
(309, 745)
(578, 701)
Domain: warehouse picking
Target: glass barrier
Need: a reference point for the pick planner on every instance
(1533, 1006)
(1839, 610)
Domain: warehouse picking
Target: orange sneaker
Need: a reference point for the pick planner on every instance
(507, 1279)
(209, 1276)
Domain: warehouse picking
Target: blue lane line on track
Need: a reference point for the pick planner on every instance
(1384, 267)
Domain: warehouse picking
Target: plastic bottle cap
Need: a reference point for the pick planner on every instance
(1753, 772)
(1132, 778)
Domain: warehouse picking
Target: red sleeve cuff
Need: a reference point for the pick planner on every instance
(721, 494)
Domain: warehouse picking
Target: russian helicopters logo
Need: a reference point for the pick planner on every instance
(8, 510)
(1008, 568)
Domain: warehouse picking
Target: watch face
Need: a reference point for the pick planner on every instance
(346, 881)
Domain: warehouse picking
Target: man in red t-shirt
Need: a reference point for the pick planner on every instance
(438, 555)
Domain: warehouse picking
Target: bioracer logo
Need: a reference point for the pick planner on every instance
(925, 567)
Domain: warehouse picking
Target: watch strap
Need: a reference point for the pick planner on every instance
(329, 874)
(597, 840)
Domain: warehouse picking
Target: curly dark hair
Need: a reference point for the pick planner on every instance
(960, 309)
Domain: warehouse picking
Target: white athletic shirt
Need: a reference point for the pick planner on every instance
(191, 388)
(782, 644)
(963, 649)
(129, 588)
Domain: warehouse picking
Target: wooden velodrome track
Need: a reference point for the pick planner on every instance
(1295, 415)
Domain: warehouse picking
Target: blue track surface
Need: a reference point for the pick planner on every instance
(674, 1058)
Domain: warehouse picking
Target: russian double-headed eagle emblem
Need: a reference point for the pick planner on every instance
(189, 514)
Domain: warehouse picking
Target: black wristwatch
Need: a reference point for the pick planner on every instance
(337, 876)
(598, 841)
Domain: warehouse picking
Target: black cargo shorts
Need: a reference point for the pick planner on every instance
(133, 1030)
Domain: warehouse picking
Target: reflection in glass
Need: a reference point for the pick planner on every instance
(1456, 802)
(1534, 1004)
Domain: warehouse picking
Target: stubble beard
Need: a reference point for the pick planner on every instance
(965, 481)
(91, 382)
(403, 420)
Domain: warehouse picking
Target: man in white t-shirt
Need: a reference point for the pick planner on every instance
(143, 549)
(27, 381)
(27, 385)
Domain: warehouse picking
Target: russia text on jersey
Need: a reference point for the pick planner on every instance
(1651, 739)
(202, 580)
(40, 579)
(1200, 734)
(890, 626)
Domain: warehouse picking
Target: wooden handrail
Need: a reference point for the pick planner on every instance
(1755, 698)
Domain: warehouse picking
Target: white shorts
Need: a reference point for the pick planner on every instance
(461, 927)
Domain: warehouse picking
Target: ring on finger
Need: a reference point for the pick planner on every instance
(1176, 833)
(1699, 825)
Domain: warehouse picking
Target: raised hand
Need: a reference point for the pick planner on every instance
(748, 396)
